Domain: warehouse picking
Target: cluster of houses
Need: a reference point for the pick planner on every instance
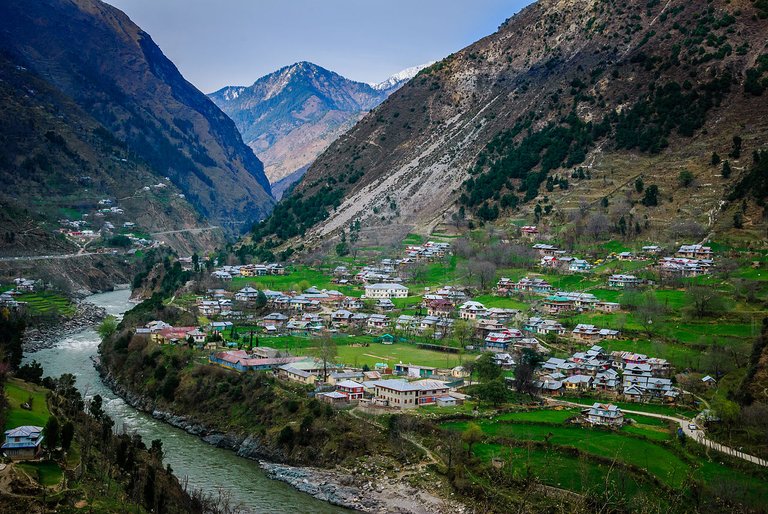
(9, 299)
(556, 259)
(227, 273)
(689, 261)
(429, 251)
(344, 386)
(631, 376)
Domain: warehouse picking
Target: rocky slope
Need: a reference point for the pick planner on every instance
(58, 162)
(623, 90)
(290, 116)
(93, 56)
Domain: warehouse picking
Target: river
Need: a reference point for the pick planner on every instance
(206, 467)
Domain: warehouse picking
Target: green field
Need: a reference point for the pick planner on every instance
(560, 469)
(395, 353)
(46, 472)
(19, 392)
(656, 459)
(46, 302)
(501, 302)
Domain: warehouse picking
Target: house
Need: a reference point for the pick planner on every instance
(197, 336)
(626, 256)
(412, 370)
(545, 249)
(378, 322)
(240, 360)
(406, 323)
(404, 394)
(385, 305)
(504, 361)
(607, 307)
(341, 317)
(694, 251)
(352, 389)
(339, 376)
(587, 333)
(624, 281)
(441, 308)
(709, 381)
(579, 266)
(578, 383)
(24, 284)
(382, 290)
(501, 341)
(651, 249)
(605, 414)
(446, 401)
(529, 231)
(288, 372)
(606, 380)
(555, 304)
(533, 285)
(274, 319)
(24, 442)
(333, 398)
(549, 386)
(505, 286)
(471, 310)
(543, 326)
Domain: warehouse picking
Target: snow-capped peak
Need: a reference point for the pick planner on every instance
(401, 77)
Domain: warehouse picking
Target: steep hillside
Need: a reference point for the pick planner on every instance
(57, 162)
(93, 54)
(290, 116)
(570, 102)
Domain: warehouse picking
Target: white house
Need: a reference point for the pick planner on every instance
(472, 310)
(386, 291)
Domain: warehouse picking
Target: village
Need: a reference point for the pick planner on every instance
(397, 345)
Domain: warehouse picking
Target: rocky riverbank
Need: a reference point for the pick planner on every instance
(365, 489)
(45, 334)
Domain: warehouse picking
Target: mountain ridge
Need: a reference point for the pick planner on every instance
(640, 90)
(118, 75)
(291, 115)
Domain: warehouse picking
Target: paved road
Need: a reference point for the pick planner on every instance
(190, 230)
(47, 257)
(696, 435)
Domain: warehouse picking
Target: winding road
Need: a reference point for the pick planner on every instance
(696, 435)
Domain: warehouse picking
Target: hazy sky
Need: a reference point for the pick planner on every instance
(216, 43)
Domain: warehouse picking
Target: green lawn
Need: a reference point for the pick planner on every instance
(641, 407)
(501, 302)
(395, 353)
(19, 392)
(540, 415)
(46, 472)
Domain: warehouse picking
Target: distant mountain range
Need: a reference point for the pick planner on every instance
(291, 115)
(90, 94)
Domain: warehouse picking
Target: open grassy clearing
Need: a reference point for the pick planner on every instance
(46, 472)
(656, 459)
(399, 352)
(560, 469)
(19, 392)
(652, 408)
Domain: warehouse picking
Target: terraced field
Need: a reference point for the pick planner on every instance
(47, 303)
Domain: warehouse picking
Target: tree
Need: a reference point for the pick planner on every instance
(704, 300)
(326, 352)
(726, 172)
(525, 371)
(685, 178)
(463, 331)
(472, 435)
(107, 327)
(30, 372)
(483, 271)
(51, 433)
(651, 197)
(728, 412)
(639, 186)
(649, 312)
(67, 434)
(261, 300)
(485, 368)
(715, 159)
(494, 392)
(736, 148)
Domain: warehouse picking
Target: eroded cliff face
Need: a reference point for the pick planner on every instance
(622, 89)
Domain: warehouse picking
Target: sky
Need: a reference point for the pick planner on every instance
(217, 43)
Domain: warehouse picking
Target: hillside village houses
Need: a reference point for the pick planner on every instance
(633, 377)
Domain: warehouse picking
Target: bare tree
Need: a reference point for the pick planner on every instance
(484, 271)
(326, 351)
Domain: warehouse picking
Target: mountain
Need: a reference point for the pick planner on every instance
(291, 115)
(93, 55)
(398, 80)
(57, 162)
(556, 116)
